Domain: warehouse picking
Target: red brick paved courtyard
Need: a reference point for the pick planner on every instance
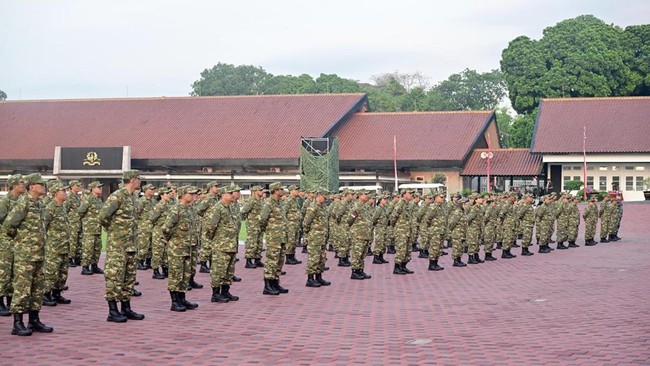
(583, 306)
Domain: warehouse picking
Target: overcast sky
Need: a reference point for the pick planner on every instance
(89, 49)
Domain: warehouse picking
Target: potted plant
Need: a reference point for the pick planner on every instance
(646, 188)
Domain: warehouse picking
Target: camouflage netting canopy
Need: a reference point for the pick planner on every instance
(319, 163)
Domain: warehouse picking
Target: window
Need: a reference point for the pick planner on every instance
(577, 167)
(590, 182)
(640, 168)
(577, 178)
(629, 183)
(639, 183)
(616, 183)
(629, 167)
(566, 179)
(602, 183)
(419, 178)
(566, 167)
(590, 167)
(602, 168)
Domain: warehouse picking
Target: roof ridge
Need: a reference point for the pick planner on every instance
(505, 148)
(595, 98)
(125, 99)
(421, 112)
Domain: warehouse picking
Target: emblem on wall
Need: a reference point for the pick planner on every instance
(92, 159)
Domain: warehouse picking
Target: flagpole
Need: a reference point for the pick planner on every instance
(395, 159)
(488, 163)
(584, 167)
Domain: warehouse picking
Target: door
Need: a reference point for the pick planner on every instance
(556, 177)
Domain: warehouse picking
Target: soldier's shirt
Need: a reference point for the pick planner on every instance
(26, 218)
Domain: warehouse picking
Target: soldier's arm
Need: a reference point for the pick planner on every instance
(170, 223)
(248, 207)
(16, 215)
(83, 208)
(265, 213)
(48, 214)
(309, 218)
(108, 210)
(156, 212)
(213, 221)
(4, 209)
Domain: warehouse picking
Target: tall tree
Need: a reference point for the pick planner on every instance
(504, 121)
(521, 130)
(579, 57)
(638, 39)
(468, 90)
(408, 81)
(3, 95)
(227, 79)
(332, 83)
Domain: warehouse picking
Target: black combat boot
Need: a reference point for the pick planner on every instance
(515, 245)
(291, 260)
(357, 275)
(35, 323)
(369, 252)
(343, 262)
(507, 255)
(572, 244)
(319, 279)
(259, 263)
(365, 275)
(217, 296)
(406, 270)
(96, 269)
(422, 254)
(165, 271)
(414, 247)
(614, 237)
(4, 309)
(276, 285)
(544, 249)
(129, 313)
(188, 305)
(19, 328)
(471, 259)
(113, 314)
(157, 275)
(489, 257)
(478, 258)
(135, 293)
(268, 288)
(47, 299)
(86, 271)
(443, 253)
(58, 298)
(560, 245)
(525, 252)
(204, 266)
(142, 265)
(381, 256)
(225, 292)
(391, 249)
(311, 281)
(398, 269)
(604, 240)
(72, 263)
(147, 262)
(193, 283)
(304, 249)
(459, 263)
(377, 260)
(176, 303)
(250, 263)
(433, 265)
(426, 253)
(499, 245)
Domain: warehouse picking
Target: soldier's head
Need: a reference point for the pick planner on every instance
(363, 195)
(213, 187)
(321, 195)
(276, 189)
(407, 194)
(35, 185)
(76, 186)
(294, 190)
(439, 199)
(16, 184)
(95, 188)
(416, 197)
(131, 180)
(58, 191)
(187, 194)
(149, 190)
(257, 192)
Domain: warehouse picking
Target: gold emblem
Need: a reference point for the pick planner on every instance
(92, 159)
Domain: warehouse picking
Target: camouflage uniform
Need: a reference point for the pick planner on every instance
(573, 219)
(274, 221)
(544, 217)
(508, 217)
(436, 221)
(380, 219)
(91, 230)
(157, 218)
(474, 218)
(457, 224)
(254, 236)
(414, 208)
(145, 227)
(604, 213)
(294, 216)
(562, 222)
(360, 220)
(614, 218)
(221, 229)
(591, 220)
(343, 239)
(72, 205)
(7, 203)
(333, 225)
(526, 218)
(401, 219)
(315, 228)
(57, 247)
(423, 227)
(181, 227)
(201, 208)
(490, 222)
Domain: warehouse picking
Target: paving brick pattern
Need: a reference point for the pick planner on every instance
(583, 306)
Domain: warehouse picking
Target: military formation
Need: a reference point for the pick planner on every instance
(171, 230)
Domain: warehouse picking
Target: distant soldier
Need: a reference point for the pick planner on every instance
(474, 217)
(181, 228)
(457, 224)
(380, 220)
(563, 222)
(605, 216)
(235, 208)
(509, 235)
(415, 221)
(615, 217)
(294, 215)
(315, 228)
(526, 218)
(359, 219)
(16, 186)
(157, 218)
(273, 220)
(344, 240)
(118, 218)
(332, 223)
(254, 236)
(71, 206)
(591, 220)
(57, 247)
(390, 231)
(25, 224)
(573, 218)
(490, 222)
(210, 199)
(401, 219)
(544, 217)
(436, 221)
(145, 227)
(91, 229)
(423, 227)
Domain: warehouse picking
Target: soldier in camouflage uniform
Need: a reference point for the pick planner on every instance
(415, 222)
(359, 218)
(158, 240)
(380, 220)
(604, 214)
(544, 217)
(526, 218)
(332, 223)
(147, 204)
(619, 216)
(118, 217)
(57, 246)
(562, 212)
(436, 224)
(294, 215)
(401, 219)
(16, 186)
(202, 206)
(181, 227)
(450, 206)
(591, 220)
(251, 213)
(423, 229)
(343, 239)
(390, 230)
(273, 220)
(235, 208)
(509, 236)
(71, 206)
(25, 224)
(91, 229)
(573, 222)
(474, 217)
(490, 222)
(457, 224)
(615, 217)
(315, 226)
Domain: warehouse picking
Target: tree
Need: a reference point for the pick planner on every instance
(638, 39)
(579, 57)
(468, 90)
(227, 79)
(439, 178)
(504, 121)
(521, 130)
(3, 95)
(287, 84)
(332, 83)
(406, 80)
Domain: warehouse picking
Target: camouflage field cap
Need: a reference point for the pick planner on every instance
(15, 179)
(362, 191)
(75, 182)
(130, 174)
(50, 183)
(276, 186)
(188, 190)
(211, 184)
(232, 188)
(417, 194)
(164, 190)
(148, 186)
(323, 191)
(95, 184)
(408, 190)
(57, 186)
(257, 188)
(34, 178)
(292, 187)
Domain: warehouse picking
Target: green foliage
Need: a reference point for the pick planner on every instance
(504, 121)
(646, 184)
(466, 192)
(579, 57)
(3, 95)
(469, 90)
(227, 79)
(573, 185)
(439, 178)
(521, 130)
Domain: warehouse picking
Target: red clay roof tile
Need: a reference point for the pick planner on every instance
(505, 162)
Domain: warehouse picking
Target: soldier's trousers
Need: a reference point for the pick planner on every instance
(402, 248)
(527, 232)
(254, 239)
(205, 253)
(604, 227)
(457, 245)
(144, 243)
(380, 240)
(180, 270)
(56, 271)
(425, 238)
(358, 253)
(119, 273)
(344, 242)
(509, 235)
(223, 268)
(562, 230)
(573, 232)
(590, 229)
(435, 243)
(390, 235)
(316, 256)
(29, 286)
(6, 266)
(158, 249)
(275, 252)
(92, 247)
(75, 241)
(293, 232)
(332, 235)
(544, 233)
(613, 225)
(472, 239)
(415, 231)
(499, 231)
(489, 236)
